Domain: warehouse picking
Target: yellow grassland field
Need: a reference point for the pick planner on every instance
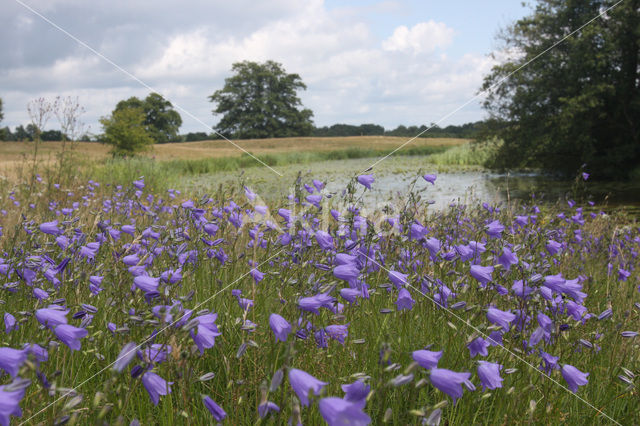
(14, 153)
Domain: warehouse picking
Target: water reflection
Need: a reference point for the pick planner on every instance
(464, 187)
(394, 177)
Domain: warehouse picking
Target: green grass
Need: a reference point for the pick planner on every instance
(236, 386)
(170, 173)
(464, 155)
(116, 398)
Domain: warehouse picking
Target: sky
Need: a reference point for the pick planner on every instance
(391, 62)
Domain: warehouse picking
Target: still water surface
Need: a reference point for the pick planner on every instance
(394, 176)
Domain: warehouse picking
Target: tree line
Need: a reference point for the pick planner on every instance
(467, 131)
(136, 123)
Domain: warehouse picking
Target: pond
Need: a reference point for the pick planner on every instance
(394, 177)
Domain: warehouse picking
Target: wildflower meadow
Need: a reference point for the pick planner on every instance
(127, 304)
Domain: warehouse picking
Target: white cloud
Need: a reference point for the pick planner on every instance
(424, 37)
(351, 76)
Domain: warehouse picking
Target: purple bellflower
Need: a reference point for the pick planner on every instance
(216, 411)
(431, 178)
(489, 374)
(366, 180)
(574, 377)
(449, 382)
(337, 411)
(70, 335)
(427, 359)
(303, 382)
(280, 326)
(155, 386)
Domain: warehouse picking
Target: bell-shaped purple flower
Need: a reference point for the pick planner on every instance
(155, 386)
(431, 178)
(346, 259)
(216, 411)
(51, 317)
(347, 272)
(350, 294)
(338, 332)
(427, 359)
(280, 326)
(128, 229)
(207, 331)
(553, 247)
(139, 183)
(313, 303)
(131, 260)
(325, 241)
(146, 283)
(433, 245)
(482, 273)
(285, 214)
(550, 362)
(10, 323)
(494, 229)
(10, 405)
(495, 338)
(62, 241)
(256, 275)
(303, 382)
(366, 180)
(249, 194)
(125, 356)
(337, 411)
(623, 274)
(50, 228)
(489, 374)
(554, 282)
(11, 360)
(449, 382)
(314, 199)
(507, 258)
(398, 279)
(356, 391)
(70, 335)
(90, 251)
(318, 184)
(521, 290)
(321, 339)
(501, 318)
(266, 408)
(478, 346)
(574, 377)
(405, 301)
(417, 231)
(40, 294)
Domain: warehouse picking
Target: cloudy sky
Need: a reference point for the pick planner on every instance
(385, 62)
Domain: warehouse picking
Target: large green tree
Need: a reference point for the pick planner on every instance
(577, 104)
(261, 101)
(126, 132)
(161, 120)
(1, 113)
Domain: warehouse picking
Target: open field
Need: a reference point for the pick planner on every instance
(12, 152)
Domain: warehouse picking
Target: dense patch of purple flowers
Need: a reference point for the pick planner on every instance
(138, 251)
